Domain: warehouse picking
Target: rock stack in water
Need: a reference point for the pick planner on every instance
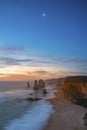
(35, 85)
(39, 90)
(41, 84)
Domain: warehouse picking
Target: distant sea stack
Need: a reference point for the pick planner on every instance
(75, 88)
(39, 84)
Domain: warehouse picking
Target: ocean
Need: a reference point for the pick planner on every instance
(18, 114)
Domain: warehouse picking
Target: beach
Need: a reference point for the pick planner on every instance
(53, 112)
(18, 113)
(67, 116)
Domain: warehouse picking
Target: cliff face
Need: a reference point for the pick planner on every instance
(75, 87)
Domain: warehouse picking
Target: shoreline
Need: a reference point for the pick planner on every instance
(67, 116)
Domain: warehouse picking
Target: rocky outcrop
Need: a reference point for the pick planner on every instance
(33, 99)
(75, 88)
(35, 85)
(39, 84)
(85, 119)
(28, 85)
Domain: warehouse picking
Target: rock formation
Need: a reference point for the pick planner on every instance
(28, 85)
(41, 84)
(35, 85)
(85, 119)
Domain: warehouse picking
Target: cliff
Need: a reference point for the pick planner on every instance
(75, 88)
(57, 81)
(51, 81)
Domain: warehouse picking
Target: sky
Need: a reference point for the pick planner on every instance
(42, 39)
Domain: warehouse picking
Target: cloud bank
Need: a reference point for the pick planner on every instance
(17, 68)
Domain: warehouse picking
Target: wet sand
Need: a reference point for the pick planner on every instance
(67, 116)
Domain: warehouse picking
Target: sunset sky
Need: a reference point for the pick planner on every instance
(42, 39)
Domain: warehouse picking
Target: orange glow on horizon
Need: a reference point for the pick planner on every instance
(24, 76)
(19, 73)
(31, 73)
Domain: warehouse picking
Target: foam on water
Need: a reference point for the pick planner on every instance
(11, 95)
(24, 115)
(34, 119)
(12, 90)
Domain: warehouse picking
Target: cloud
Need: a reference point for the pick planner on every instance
(14, 61)
(34, 62)
(70, 73)
(34, 67)
(41, 72)
(25, 75)
(63, 61)
(11, 48)
(70, 60)
(72, 63)
(76, 64)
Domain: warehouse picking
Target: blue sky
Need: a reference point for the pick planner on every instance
(55, 43)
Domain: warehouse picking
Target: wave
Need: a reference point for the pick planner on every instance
(34, 119)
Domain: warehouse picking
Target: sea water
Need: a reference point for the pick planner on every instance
(18, 114)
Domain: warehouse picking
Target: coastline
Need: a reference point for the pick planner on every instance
(67, 116)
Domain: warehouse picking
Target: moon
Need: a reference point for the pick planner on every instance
(44, 14)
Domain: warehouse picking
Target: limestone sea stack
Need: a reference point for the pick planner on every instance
(35, 85)
(41, 84)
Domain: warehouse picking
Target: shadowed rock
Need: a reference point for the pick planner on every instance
(44, 91)
(28, 85)
(33, 99)
(35, 85)
(41, 84)
(85, 119)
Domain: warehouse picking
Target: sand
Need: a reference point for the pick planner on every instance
(67, 116)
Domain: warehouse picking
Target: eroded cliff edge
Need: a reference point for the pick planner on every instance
(75, 88)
